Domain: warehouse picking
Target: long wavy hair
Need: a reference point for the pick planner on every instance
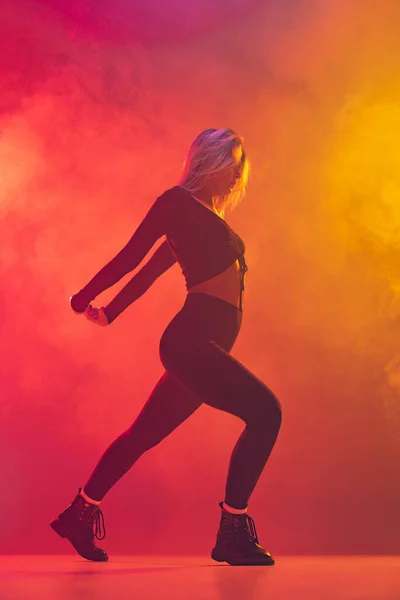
(211, 154)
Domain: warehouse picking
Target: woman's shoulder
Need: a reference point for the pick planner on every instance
(175, 196)
(175, 192)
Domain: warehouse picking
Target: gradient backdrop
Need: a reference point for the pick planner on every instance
(99, 103)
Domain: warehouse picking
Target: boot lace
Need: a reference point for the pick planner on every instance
(97, 521)
(245, 525)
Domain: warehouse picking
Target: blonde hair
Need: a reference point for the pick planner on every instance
(210, 154)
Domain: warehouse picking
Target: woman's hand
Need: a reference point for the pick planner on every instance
(96, 315)
(78, 304)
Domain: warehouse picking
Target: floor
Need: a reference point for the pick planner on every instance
(197, 577)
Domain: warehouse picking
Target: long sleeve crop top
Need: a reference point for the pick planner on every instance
(198, 239)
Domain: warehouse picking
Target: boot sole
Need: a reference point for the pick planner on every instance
(238, 563)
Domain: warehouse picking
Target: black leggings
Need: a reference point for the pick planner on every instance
(194, 350)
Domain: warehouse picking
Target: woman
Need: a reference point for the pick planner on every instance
(194, 349)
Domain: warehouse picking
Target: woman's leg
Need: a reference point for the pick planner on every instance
(221, 381)
(167, 407)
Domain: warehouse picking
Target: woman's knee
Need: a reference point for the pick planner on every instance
(267, 411)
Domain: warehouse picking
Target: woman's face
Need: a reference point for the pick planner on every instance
(224, 183)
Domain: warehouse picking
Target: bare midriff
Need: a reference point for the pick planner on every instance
(225, 285)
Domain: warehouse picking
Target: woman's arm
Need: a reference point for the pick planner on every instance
(149, 231)
(160, 262)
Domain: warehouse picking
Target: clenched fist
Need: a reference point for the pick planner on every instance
(79, 303)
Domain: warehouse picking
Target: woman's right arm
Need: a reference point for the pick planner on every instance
(149, 231)
(160, 262)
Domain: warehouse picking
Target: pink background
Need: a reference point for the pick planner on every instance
(98, 108)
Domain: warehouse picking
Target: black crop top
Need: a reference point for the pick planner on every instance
(197, 238)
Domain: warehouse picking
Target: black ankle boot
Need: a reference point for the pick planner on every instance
(237, 542)
(80, 524)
